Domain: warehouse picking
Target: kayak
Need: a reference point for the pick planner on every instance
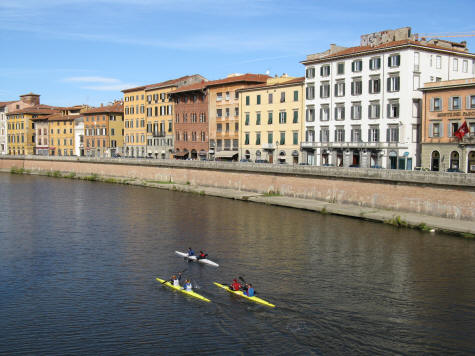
(193, 294)
(193, 258)
(241, 294)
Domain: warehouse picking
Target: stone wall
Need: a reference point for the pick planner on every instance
(439, 194)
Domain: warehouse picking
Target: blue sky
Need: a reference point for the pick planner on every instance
(85, 51)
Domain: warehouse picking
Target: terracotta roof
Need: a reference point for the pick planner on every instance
(362, 49)
(114, 108)
(294, 81)
(5, 103)
(30, 93)
(36, 109)
(61, 117)
(192, 87)
(259, 78)
(158, 85)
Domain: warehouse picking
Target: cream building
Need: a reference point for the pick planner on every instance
(271, 121)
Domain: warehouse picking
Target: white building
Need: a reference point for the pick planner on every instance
(79, 136)
(3, 128)
(363, 106)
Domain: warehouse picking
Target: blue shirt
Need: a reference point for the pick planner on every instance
(191, 253)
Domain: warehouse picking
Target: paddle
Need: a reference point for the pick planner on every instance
(178, 273)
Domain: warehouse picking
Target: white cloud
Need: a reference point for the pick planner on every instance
(99, 83)
(92, 80)
(111, 87)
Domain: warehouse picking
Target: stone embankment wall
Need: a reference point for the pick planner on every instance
(450, 195)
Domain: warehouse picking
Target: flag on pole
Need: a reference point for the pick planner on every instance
(462, 131)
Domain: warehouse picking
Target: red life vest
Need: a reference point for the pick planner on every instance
(235, 286)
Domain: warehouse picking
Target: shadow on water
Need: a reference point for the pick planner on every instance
(78, 262)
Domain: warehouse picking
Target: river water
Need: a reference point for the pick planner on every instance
(78, 262)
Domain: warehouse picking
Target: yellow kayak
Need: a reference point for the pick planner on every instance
(193, 294)
(241, 294)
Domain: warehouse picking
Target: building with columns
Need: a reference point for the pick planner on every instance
(363, 104)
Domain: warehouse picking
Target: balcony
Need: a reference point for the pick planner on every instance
(352, 145)
(268, 146)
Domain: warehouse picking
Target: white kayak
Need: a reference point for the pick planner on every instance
(193, 258)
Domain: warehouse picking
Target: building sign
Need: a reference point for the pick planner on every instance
(456, 114)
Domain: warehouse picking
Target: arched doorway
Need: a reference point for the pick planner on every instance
(194, 154)
(295, 157)
(247, 154)
(471, 162)
(281, 157)
(435, 161)
(339, 158)
(454, 160)
(356, 159)
(373, 160)
(325, 158)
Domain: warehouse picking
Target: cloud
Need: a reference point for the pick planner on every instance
(100, 83)
(91, 80)
(112, 87)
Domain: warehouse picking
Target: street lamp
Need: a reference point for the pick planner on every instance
(276, 151)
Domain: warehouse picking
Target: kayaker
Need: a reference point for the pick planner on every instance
(190, 252)
(249, 290)
(202, 255)
(187, 286)
(176, 281)
(235, 285)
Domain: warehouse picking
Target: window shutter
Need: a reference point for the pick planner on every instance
(343, 112)
(467, 102)
(336, 89)
(352, 112)
(388, 135)
(352, 66)
(369, 111)
(370, 87)
(321, 114)
(449, 130)
(343, 89)
(321, 91)
(388, 84)
(388, 111)
(321, 71)
(352, 88)
(378, 62)
(398, 60)
(397, 84)
(389, 61)
(450, 103)
(431, 104)
(441, 134)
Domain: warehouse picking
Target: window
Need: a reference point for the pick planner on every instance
(325, 90)
(282, 117)
(295, 117)
(356, 134)
(248, 100)
(392, 134)
(340, 68)
(258, 138)
(465, 66)
(325, 70)
(226, 110)
(310, 114)
(246, 138)
(357, 66)
(236, 111)
(416, 82)
(438, 62)
(282, 97)
(373, 134)
(340, 112)
(258, 102)
(435, 104)
(219, 96)
(324, 134)
(310, 135)
(258, 118)
(295, 138)
(270, 98)
(296, 95)
(455, 103)
(310, 73)
(455, 65)
(375, 63)
(393, 109)
(340, 88)
(393, 84)
(374, 110)
(227, 95)
(435, 129)
(356, 87)
(394, 60)
(269, 118)
(340, 134)
(453, 127)
(310, 92)
(282, 138)
(219, 113)
(356, 111)
(270, 137)
(470, 103)
(219, 128)
(247, 119)
(324, 113)
(374, 85)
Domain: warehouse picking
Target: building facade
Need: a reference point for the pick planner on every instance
(271, 121)
(42, 135)
(363, 106)
(134, 122)
(223, 113)
(191, 121)
(448, 126)
(104, 130)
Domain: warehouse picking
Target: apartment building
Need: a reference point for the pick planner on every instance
(448, 126)
(148, 118)
(26, 100)
(104, 130)
(191, 121)
(271, 120)
(223, 113)
(363, 104)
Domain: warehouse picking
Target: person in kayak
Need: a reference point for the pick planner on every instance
(176, 281)
(202, 255)
(190, 252)
(249, 291)
(235, 286)
(187, 286)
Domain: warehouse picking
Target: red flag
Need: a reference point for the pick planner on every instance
(460, 133)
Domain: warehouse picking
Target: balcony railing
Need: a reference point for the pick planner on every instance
(376, 145)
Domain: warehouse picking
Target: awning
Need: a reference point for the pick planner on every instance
(181, 154)
(226, 154)
(163, 152)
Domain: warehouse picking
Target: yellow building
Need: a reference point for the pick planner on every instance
(271, 120)
(61, 134)
(148, 118)
(21, 129)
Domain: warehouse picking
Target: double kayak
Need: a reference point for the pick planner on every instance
(180, 289)
(241, 294)
(193, 258)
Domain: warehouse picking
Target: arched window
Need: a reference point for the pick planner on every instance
(434, 161)
(454, 160)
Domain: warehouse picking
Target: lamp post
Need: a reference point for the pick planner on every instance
(276, 151)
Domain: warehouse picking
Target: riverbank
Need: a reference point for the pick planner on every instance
(412, 220)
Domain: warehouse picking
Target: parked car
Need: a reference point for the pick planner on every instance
(245, 160)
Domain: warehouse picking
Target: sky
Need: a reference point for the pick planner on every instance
(74, 52)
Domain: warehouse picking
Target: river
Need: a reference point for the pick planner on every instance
(78, 262)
